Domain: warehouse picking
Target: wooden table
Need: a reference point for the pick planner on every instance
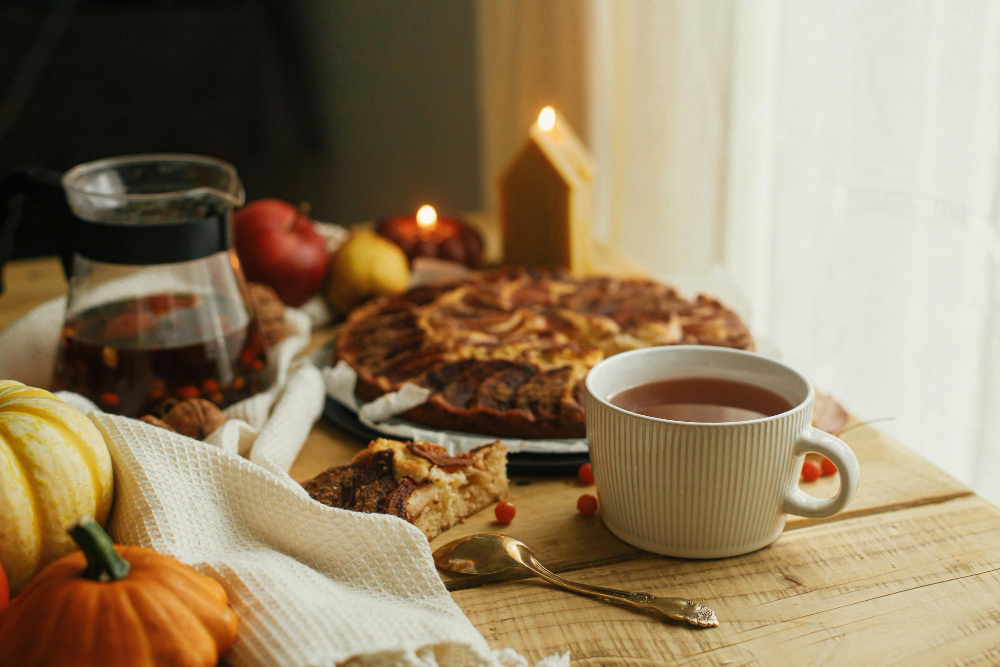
(910, 573)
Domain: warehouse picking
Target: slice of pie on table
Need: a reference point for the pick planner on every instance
(416, 481)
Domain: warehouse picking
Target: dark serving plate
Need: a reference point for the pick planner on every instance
(517, 463)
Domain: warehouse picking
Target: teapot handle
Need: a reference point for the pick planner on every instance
(39, 184)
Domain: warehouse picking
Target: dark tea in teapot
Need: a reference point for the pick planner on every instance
(129, 356)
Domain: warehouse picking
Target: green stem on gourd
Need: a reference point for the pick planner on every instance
(103, 561)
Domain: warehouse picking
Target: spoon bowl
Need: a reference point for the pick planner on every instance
(486, 553)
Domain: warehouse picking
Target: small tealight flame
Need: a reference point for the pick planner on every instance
(426, 216)
(547, 118)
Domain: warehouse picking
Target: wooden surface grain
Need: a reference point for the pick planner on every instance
(910, 586)
(909, 573)
(29, 283)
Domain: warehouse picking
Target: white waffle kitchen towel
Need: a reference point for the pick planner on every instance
(312, 585)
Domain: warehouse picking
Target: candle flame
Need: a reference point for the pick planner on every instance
(547, 118)
(426, 216)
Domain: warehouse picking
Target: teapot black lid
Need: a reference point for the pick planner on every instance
(160, 243)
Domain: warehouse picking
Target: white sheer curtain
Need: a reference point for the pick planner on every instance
(832, 167)
(885, 245)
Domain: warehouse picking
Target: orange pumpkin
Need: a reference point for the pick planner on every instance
(114, 606)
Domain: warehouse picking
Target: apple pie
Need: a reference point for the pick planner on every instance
(505, 352)
(416, 481)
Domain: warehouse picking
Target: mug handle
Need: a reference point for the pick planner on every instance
(801, 503)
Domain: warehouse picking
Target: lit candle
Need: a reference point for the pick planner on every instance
(547, 119)
(426, 219)
(546, 198)
(427, 235)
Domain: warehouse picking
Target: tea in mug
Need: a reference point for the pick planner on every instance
(701, 400)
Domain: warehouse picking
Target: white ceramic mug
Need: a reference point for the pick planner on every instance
(706, 490)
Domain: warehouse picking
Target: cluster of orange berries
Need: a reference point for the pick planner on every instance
(813, 470)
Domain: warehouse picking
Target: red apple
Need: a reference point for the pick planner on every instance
(4, 589)
(278, 245)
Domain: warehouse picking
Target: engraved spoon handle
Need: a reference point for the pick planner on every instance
(676, 608)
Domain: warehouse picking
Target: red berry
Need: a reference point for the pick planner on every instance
(156, 395)
(158, 303)
(209, 386)
(184, 300)
(505, 511)
(587, 504)
(828, 467)
(811, 471)
(188, 391)
(586, 473)
(238, 383)
(110, 399)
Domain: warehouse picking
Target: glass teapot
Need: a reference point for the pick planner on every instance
(157, 308)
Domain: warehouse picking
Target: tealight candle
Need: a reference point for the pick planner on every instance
(427, 235)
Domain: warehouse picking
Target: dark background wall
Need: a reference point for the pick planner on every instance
(361, 107)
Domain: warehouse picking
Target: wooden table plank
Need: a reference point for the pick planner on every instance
(29, 283)
(913, 586)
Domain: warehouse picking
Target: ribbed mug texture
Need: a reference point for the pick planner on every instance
(694, 490)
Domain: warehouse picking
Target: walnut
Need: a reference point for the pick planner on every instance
(195, 417)
(270, 312)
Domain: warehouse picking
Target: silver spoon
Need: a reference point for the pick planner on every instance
(489, 553)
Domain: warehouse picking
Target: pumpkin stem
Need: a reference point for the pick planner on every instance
(103, 562)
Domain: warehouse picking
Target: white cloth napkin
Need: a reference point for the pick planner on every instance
(312, 585)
